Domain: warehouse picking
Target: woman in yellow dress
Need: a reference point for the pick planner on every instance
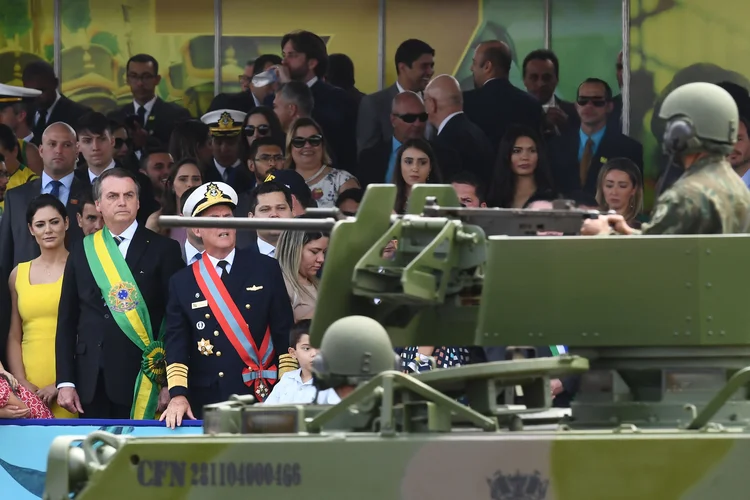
(35, 292)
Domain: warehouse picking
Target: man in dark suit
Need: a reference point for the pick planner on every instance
(577, 156)
(148, 115)
(444, 105)
(97, 145)
(99, 348)
(305, 59)
(541, 73)
(59, 152)
(50, 106)
(251, 96)
(495, 104)
(268, 200)
(377, 164)
(415, 63)
(228, 317)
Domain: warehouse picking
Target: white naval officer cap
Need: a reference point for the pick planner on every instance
(208, 195)
(224, 122)
(12, 94)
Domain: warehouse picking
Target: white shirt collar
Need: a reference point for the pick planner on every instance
(49, 110)
(128, 234)
(312, 81)
(296, 375)
(92, 176)
(229, 258)
(446, 120)
(29, 137)
(149, 105)
(489, 80)
(266, 248)
(255, 100)
(222, 168)
(399, 87)
(66, 181)
(190, 251)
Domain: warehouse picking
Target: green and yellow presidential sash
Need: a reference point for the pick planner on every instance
(129, 310)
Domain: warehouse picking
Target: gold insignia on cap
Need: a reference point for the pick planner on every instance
(225, 121)
(269, 178)
(214, 195)
(205, 347)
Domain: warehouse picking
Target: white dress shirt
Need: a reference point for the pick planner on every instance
(127, 237)
(266, 248)
(49, 110)
(93, 176)
(291, 390)
(215, 262)
(222, 169)
(447, 119)
(312, 81)
(64, 189)
(149, 107)
(191, 253)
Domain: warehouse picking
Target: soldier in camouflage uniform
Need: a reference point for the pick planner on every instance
(709, 198)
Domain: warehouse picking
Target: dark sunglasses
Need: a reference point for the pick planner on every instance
(313, 140)
(262, 129)
(599, 103)
(121, 142)
(411, 117)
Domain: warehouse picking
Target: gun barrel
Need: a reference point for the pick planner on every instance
(248, 223)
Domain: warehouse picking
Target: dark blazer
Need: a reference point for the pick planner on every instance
(239, 101)
(65, 110)
(256, 285)
(497, 105)
(240, 178)
(162, 119)
(16, 243)
(88, 338)
(563, 154)
(615, 117)
(336, 112)
(245, 238)
(374, 118)
(147, 201)
(473, 148)
(373, 162)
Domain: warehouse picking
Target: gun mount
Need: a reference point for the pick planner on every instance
(656, 329)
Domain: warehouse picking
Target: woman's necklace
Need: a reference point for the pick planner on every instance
(313, 176)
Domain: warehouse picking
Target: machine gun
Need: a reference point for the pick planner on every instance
(660, 321)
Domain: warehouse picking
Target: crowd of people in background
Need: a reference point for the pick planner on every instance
(81, 194)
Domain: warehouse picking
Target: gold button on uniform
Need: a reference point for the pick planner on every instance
(208, 316)
(218, 353)
(221, 374)
(247, 306)
(216, 333)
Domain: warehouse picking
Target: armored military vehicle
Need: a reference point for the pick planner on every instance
(656, 329)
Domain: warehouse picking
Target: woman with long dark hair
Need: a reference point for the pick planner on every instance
(415, 164)
(183, 175)
(522, 174)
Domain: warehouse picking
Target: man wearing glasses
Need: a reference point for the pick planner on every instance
(148, 115)
(409, 120)
(578, 155)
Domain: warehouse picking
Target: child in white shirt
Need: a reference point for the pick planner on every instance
(296, 387)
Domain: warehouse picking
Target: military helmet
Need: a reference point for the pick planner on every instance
(700, 117)
(354, 349)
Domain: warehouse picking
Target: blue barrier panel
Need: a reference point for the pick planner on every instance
(24, 445)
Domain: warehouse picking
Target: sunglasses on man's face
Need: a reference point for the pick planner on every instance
(262, 130)
(597, 102)
(412, 117)
(119, 143)
(313, 140)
